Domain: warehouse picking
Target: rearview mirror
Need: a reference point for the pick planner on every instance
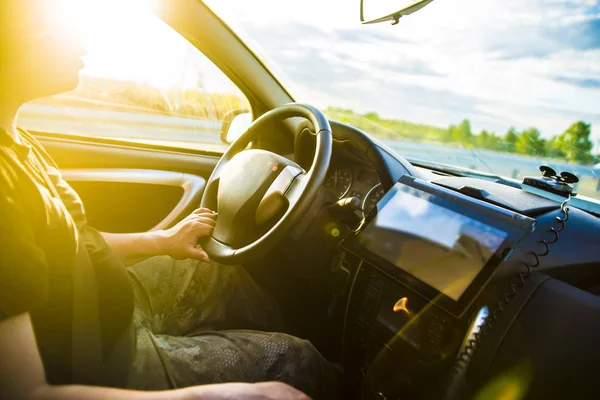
(373, 11)
(235, 123)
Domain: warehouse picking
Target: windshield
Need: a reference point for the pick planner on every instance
(500, 86)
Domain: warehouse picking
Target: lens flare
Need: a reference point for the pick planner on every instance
(512, 384)
(401, 305)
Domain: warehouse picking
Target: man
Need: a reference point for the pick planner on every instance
(73, 318)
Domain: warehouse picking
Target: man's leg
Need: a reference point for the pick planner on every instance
(164, 361)
(178, 302)
(184, 297)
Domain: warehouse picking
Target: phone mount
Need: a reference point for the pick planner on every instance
(550, 181)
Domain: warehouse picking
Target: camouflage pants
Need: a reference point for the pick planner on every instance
(193, 326)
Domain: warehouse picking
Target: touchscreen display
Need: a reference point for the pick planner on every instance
(438, 246)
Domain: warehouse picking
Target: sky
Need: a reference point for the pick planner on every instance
(499, 63)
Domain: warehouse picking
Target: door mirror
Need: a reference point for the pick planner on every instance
(234, 124)
(373, 11)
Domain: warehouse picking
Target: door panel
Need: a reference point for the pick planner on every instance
(134, 200)
(130, 187)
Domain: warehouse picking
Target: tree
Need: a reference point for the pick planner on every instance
(462, 133)
(575, 143)
(553, 149)
(488, 140)
(449, 134)
(510, 140)
(494, 142)
(530, 142)
(372, 116)
(483, 139)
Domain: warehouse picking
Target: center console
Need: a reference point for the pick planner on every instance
(418, 262)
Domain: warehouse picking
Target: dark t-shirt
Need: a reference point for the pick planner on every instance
(60, 270)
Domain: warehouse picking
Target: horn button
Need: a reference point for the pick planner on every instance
(251, 191)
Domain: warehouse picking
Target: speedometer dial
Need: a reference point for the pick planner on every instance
(372, 198)
(340, 180)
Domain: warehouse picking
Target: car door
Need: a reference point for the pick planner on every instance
(140, 135)
(131, 188)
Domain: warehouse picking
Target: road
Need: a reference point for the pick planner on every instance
(201, 133)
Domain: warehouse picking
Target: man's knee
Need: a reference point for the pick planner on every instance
(310, 371)
(301, 356)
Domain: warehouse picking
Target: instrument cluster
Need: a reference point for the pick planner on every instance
(347, 180)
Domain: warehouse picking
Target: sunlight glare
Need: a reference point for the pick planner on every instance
(86, 16)
(126, 41)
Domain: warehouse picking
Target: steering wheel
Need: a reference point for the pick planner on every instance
(260, 195)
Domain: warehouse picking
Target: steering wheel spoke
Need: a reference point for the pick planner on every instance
(275, 199)
(294, 192)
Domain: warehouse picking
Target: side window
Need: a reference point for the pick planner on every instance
(142, 82)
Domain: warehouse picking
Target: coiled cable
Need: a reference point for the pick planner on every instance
(451, 382)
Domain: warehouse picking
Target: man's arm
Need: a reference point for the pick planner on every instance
(22, 377)
(22, 373)
(179, 242)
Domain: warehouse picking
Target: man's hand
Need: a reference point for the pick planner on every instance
(181, 241)
(250, 391)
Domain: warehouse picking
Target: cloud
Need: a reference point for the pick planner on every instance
(407, 66)
(589, 83)
(360, 35)
(549, 37)
(500, 63)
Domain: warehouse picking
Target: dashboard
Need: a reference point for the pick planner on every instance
(551, 319)
(402, 337)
